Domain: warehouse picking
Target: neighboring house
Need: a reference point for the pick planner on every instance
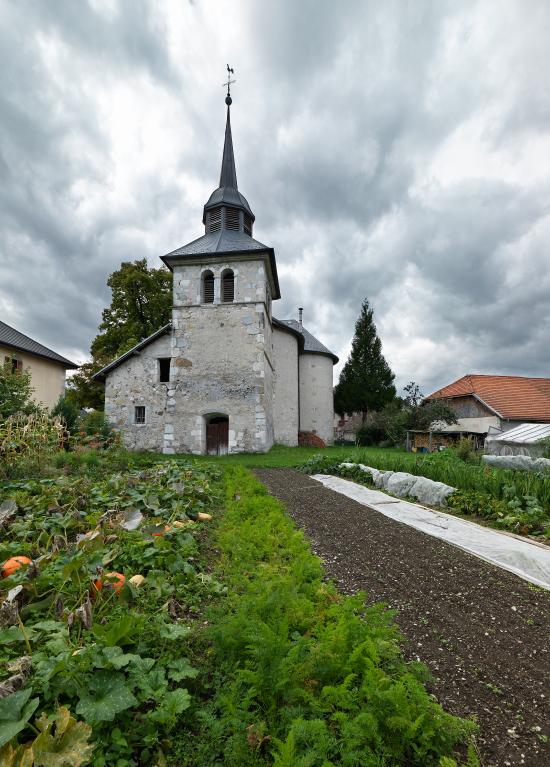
(224, 375)
(486, 404)
(47, 368)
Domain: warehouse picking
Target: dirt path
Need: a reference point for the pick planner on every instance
(483, 632)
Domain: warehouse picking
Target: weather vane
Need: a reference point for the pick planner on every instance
(228, 84)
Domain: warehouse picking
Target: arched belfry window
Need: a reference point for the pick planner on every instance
(208, 288)
(228, 286)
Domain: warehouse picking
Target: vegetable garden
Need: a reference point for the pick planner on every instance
(506, 499)
(135, 630)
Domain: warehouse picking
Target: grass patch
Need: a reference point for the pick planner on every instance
(302, 676)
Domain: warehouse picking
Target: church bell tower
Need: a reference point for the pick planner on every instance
(221, 375)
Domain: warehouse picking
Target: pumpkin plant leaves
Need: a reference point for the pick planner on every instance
(15, 712)
(172, 704)
(63, 742)
(107, 696)
(174, 631)
(181, 669)
(21, 756)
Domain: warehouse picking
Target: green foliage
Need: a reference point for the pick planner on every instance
(15, 392)
(545, 445)
(465, 450)
(119, 660)
(93, 430)
(304, 676)
(28, 442)
(446, 467)
(141, 303)
(66, 411)
(366, 381)
(506, 499)
(82, 391)
(518, 514)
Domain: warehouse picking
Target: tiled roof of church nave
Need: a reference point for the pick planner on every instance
(513, 397)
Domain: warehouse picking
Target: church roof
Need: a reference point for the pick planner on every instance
(224, 242)
(13, 339)
(311, 345)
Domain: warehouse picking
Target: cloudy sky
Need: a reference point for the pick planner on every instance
(398, 151)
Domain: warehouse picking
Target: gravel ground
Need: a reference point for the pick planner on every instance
(483, 632)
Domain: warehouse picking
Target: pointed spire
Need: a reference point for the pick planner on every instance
(228, 175)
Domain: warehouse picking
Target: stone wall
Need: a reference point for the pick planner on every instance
(221, 360)
(136, 382)
(316, 398)
(285, 390)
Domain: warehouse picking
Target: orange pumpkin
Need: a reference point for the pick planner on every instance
(115, 581)
(167, 529)
(13, 564)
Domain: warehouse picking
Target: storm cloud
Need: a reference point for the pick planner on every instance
(392, 151)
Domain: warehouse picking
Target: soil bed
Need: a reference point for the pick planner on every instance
(483, 632)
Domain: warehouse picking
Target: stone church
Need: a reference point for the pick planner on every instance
(224, 375)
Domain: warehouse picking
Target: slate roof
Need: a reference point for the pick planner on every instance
(516, 398)
(228, 191)
(15, 340)
(311, 344)
(224, 242)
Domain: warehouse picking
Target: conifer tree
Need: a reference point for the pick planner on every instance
(366, 381)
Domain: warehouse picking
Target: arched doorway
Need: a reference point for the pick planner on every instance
(217, 434)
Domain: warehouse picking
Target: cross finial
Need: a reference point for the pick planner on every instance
(228, 85)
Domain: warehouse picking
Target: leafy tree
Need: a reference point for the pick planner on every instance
(15, 392)
(141, 303)
(405, 414)
(366, 381)
(82, 391)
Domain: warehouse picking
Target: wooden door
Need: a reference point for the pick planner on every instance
(217, 436)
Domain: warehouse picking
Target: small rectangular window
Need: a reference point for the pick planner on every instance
(139, 414)
(164, 369)
(15, 364)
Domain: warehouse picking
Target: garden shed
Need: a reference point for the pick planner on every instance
(525, 439)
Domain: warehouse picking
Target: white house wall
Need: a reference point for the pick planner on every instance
(285, 390)
(316, 397)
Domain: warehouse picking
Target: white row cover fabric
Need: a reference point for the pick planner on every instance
(531, 561)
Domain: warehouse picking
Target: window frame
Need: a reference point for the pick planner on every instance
(207, 275)
(138, 421)
(162, 362)
(226, 273)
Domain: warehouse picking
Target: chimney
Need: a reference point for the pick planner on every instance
(300, 313)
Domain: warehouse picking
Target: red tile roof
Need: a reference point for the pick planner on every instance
(514, 397)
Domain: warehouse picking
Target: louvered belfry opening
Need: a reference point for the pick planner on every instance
(215, 220)
(232, 219)
(228, 286)
(208, 288)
